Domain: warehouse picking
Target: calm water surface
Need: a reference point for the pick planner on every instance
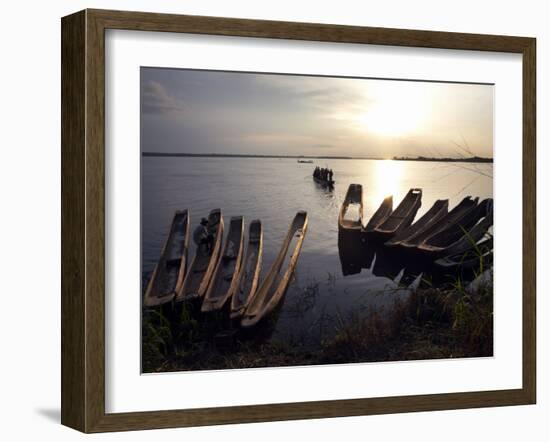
(273, 190)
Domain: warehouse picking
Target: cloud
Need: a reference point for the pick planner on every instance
(156, 100)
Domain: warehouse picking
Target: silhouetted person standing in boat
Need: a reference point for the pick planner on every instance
(330, 173)
(202, 237)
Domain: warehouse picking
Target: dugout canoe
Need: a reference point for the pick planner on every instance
(401, 217)
(439, 209)
(381, 214)
(452, 218)
(202, 267)
(170, 269)
(353, 198)
(463, 234)
(275, 284)
(250, 271)
(479, 255)
(326, 183)
(225, 277)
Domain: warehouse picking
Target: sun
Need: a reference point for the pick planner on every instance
(395, 111)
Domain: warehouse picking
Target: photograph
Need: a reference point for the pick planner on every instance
(299, 220)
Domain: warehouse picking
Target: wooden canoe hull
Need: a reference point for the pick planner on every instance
(439, 209)
(452, 218)
(381, 215)
(250, 271)
(224, 281)
(400, 218)
(202, 267)
(274, 286)
(325, 183)
(170, 270)
(354, 195)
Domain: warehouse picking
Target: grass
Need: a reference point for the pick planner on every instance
(430, 323)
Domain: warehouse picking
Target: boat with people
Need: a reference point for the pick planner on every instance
(170, 269)
(250, 271)
(202, 267)
(305, 161)
(400, 218)
(323, 176)
(225, 280)
(275, 284)
(352, 205)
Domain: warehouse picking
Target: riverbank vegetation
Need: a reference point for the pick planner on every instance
(430, 323)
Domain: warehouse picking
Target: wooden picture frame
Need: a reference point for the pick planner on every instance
(83, 220)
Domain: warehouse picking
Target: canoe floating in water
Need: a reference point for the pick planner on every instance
(250, 271)
(169, 272)
(224, 279)
(430, 218)
(326, 183)
(274, 286)
(381, 214)
(463, 234)
(202, 267)
(451, 219)
(353, 201)
(401, 217)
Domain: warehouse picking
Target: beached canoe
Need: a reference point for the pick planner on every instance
(430, 218)
(478, 257)
(202, 267)
(170, 269)
(225, 280)
(381, 214)
(275, 284)
(352, 205)
(326, 183)
(463, 234)
(452, 218)
(250, 271)
(401, 217)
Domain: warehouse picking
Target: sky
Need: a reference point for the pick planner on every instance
(193, 111)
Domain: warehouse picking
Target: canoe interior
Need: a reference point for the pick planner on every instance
(224, 279)
(353, 204)
(468, 258)
(439, 209)
(453, 233)
(250, 270)
(169, 272)
(466, 205)
(404, 214)
(276, 282)
(381, 214)
(201, 269)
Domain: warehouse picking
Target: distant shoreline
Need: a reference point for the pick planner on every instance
(307, 157)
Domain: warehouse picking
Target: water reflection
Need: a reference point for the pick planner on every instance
(388, 176)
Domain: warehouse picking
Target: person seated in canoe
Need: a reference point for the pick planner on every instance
(201, 236)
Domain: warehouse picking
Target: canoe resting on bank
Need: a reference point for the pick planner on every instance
(459, 236)
(202, 267)
(250, 271)
(430, 218)
(452, 218)
(381, 214)
(225, 280)
(276, 281)
(401, 217)
(353, 198)
(170, 269)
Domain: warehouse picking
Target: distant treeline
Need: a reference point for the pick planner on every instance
(449, 160)
(308, 157)
(236, 155)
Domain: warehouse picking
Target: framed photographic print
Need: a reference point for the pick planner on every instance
(270, 220)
